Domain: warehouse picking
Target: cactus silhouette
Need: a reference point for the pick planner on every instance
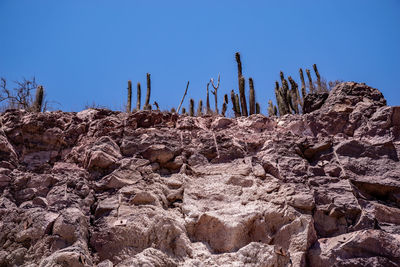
(147, 106)
(233, 100)
(278, 98)
(139, 95)
(208, 109)
(318, 78)
(239, 64)
(200, 108)
(310, 82)
(191, 108)
(303, 87)
(270, 108)
(129, 104)
(281, 75)
(294, 94)
(183, 111)
(281, 97)
(252, 98)
(37, 105)
(285, 94)
(224, 105)
(223, 109)
(237, 103)
(258, 108)
(241, 82)
(243, 102)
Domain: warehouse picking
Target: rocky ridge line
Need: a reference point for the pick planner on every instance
(107, 188)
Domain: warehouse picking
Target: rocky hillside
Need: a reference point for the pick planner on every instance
(156, 189)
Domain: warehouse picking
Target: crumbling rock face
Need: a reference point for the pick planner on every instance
(104, 188)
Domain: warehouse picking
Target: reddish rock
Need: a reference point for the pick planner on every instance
(107, 188)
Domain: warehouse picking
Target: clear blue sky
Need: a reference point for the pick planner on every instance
(85, 51)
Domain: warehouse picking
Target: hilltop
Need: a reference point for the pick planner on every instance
(151, 188)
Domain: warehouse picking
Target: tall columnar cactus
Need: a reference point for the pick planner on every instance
(318, 77)
(310, 82)
(237, 104)
(243, 101)
(284, 89)
(183, 111)
(281, 98)
(191, 108)
(147, 106)
(294, 94)
(270, 108)
(258, 109)
(303, 87)
(241, 82)
(37, 105)
(252, 97)
(129, 104)
(239, 64)
(139, 95)
(286, 95)
(208, 109)
(200, 108)
(281, 75)
(234, 105)
(224, 105)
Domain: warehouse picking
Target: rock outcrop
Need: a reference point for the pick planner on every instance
(103, 188)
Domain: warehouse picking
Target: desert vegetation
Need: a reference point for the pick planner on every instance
(21, 96)
(289, 98)
(287, 93)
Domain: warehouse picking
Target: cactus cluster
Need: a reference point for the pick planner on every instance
(288, 99)
(239, 102)
(147, 105)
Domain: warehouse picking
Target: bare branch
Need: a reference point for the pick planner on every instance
(212, 83)
(187, 86)
(20, 96)
(215, 92)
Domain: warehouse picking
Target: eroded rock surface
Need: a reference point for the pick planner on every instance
(103, 188)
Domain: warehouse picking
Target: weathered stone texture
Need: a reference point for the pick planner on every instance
(156, 189)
